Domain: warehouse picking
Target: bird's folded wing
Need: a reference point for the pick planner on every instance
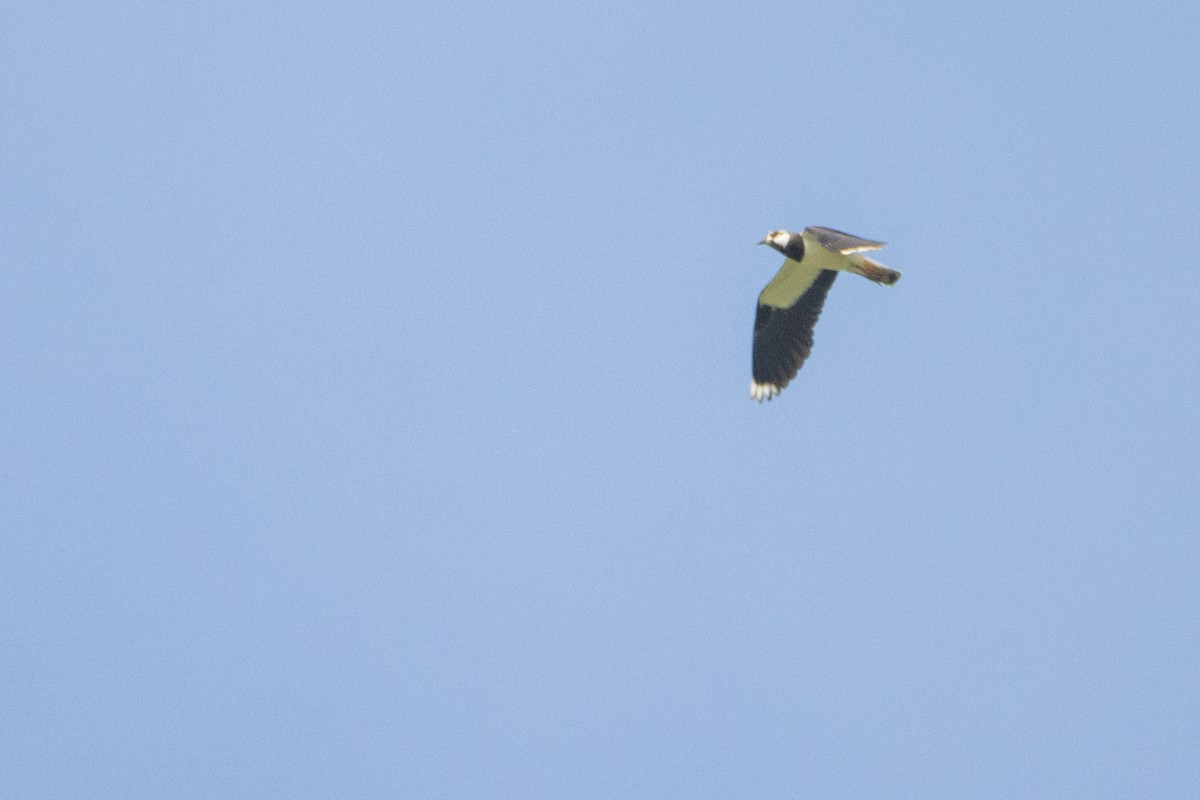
(840, 242)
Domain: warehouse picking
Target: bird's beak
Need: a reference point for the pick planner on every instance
(764, 241)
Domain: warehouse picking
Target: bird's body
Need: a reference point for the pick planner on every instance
(789, 305)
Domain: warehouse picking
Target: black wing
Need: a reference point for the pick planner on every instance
(783, 337)
(839, 242)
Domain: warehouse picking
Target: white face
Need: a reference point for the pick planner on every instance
(779, 239)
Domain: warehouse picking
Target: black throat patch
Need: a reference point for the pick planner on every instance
(795, 247)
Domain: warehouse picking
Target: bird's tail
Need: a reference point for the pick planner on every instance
(873, 270)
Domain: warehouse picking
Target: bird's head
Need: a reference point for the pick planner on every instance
(778, 240)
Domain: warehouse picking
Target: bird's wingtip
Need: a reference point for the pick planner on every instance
(763, 391)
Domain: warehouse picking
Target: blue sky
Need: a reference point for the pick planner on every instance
(376, 416)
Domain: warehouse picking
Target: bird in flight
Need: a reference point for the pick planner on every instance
(789, 305)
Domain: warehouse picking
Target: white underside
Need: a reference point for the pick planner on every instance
(792, 280)
(794, 277)
(817, 257)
